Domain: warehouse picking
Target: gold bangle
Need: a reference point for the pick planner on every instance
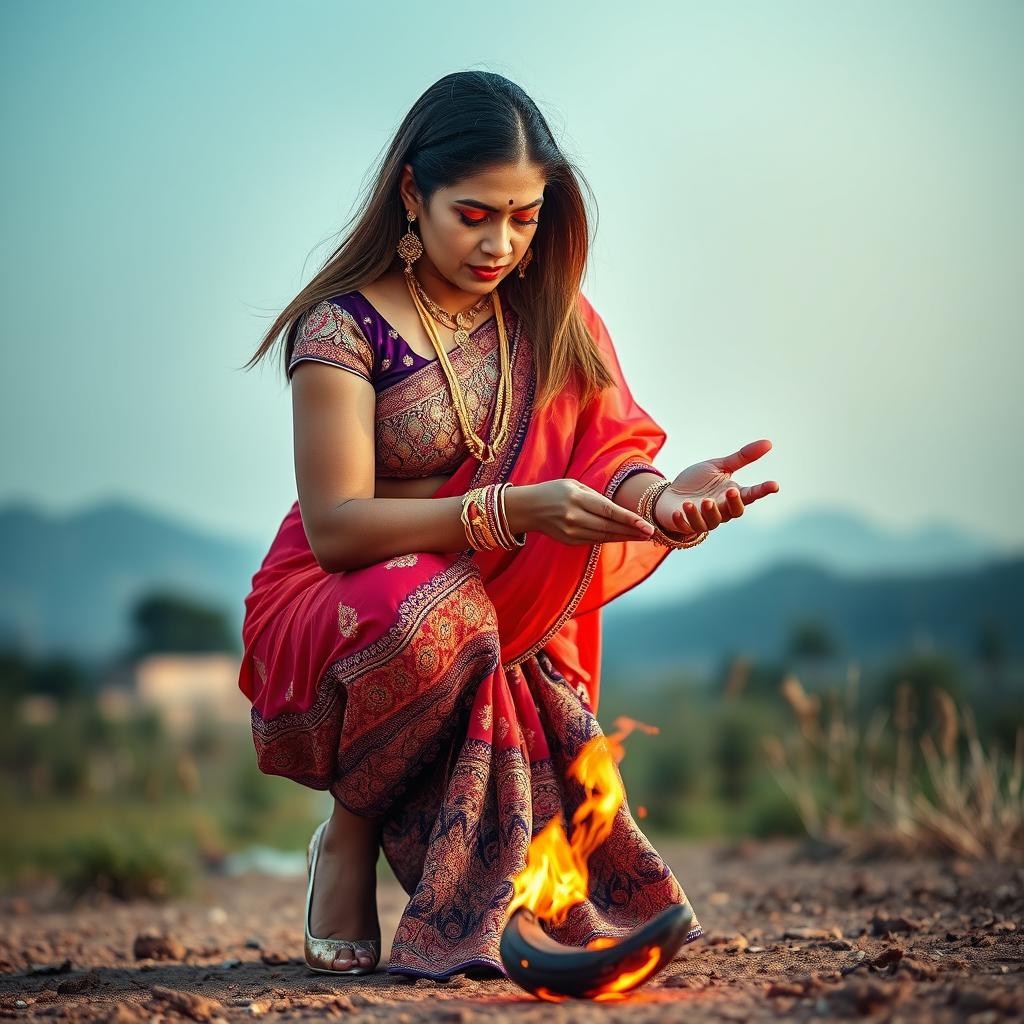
(464, 519)
(490, 512)
(489, 529)
(481, 522)
(486, 520)
(497, 522)
(648, 501)
(473, 533)
(516, 540)
(643, 498)
(500, 526)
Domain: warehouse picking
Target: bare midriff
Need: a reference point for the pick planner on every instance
(416, 487)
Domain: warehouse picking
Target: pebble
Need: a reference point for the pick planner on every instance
(83, 983)
(881, 924)
(199, 1008)
(154, 945)
(126, 1013)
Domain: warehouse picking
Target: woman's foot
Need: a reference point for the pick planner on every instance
(345, 887)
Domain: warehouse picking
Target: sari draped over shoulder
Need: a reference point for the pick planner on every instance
(449, 693)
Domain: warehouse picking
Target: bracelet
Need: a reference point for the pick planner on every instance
(645, 510)
(472, 525)
(510, 540)
(484, 519)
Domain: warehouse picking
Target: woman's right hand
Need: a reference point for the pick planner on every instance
(572, 513)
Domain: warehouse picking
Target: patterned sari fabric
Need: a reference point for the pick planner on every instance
(449, 693)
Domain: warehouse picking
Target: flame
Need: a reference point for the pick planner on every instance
(551, 997)
(556, 876)
(630, 979)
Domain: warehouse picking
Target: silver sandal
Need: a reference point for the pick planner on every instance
(320, 953)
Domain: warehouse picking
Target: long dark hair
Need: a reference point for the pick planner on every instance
(467, 122)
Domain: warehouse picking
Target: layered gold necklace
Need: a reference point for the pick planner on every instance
(461, 322)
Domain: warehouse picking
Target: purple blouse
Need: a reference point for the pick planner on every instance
(416, 426)
(418, 433)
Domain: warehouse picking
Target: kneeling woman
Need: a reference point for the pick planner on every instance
(475, 481)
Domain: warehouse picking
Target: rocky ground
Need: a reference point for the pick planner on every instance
(788, 938)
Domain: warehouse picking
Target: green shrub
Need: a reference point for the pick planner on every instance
(125, 868)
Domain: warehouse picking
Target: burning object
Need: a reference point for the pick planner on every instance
(603, 970)
(556, 878)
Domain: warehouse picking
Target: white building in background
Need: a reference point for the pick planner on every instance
(37, 709)
(184, 689)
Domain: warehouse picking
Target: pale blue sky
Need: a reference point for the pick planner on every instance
(811, 225)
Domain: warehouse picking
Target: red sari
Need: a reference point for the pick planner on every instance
(449, 692)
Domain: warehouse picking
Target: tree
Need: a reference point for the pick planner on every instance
(167, 622)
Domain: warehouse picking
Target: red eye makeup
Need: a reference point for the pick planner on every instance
(471, 219)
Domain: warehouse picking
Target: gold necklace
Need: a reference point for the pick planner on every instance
(484, 452)
(461, 322)
(481, 450)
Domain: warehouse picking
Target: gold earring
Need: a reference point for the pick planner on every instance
(410, 248)
(525, 261)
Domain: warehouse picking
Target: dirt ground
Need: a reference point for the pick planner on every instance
(788, 938)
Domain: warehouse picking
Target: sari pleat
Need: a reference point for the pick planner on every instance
(448, 693)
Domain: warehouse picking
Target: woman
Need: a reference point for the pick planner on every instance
(423, 636)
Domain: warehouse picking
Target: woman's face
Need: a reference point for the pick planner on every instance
(487, 220)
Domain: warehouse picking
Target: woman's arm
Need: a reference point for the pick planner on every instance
(361, 531)
(380, 528)
(628, 493)
(347, 526)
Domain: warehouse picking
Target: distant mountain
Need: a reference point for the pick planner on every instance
(830, 538)
(870, 618)
(68, 582)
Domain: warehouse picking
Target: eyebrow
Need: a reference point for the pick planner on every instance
(492, 209)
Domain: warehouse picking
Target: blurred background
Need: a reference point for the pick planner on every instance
(810, 229)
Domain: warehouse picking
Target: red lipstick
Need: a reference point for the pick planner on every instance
(486, 273)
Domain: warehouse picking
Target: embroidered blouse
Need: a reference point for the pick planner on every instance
(416, 426)
(417, 431)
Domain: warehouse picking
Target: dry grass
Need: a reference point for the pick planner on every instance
(869, 791)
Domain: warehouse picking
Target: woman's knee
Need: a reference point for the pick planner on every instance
(446, 586)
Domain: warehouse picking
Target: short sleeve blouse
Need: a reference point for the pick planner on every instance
(328, 333)
(417, 430)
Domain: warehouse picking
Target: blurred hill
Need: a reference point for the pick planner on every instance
(68, 582)
(832, 538)
(870, 618)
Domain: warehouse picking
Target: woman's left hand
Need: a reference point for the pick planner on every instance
(703, 496)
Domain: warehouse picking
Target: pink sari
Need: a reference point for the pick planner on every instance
(450, 692)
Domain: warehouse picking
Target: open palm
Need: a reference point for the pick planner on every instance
(704, 495)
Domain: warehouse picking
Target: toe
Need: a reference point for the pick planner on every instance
(343, 959)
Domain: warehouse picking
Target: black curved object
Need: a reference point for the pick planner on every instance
(539, 964)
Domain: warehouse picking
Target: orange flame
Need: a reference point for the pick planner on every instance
(556, 876)
(630, 979)
(551, 997)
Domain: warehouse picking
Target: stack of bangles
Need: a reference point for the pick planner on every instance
(484, 519)
(486, 525)
(645, 510)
